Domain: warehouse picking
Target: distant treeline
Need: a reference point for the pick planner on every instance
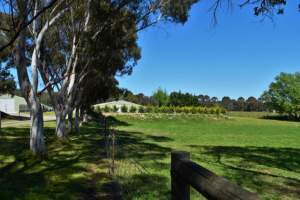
(179, 99)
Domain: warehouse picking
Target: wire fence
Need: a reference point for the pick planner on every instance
(122, 167)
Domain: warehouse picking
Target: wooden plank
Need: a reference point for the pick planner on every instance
(209, 184)
(180, 189)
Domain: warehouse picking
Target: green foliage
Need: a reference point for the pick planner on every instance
(124, 109)
(185, 109)
(161, 96)
(141, 109)
(149, 109)
(283, 94)
(115, 108)
(183, 99)
(7, 83)
(97, 109)
(132, 109)
(177, 10)
(106, 109)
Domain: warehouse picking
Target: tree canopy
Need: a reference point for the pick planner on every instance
(283, 94)
(7, 82)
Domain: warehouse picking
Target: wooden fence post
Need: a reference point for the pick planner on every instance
(180, 189)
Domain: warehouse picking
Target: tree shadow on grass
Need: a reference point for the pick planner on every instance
(112, 121)
(271, 172)
(76, 168)
(281, 118)
(143, 166)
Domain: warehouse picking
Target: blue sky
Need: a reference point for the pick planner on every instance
(238, 57)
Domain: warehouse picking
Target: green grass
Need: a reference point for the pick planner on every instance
(260, 155)
(74, 169)
(257, 115)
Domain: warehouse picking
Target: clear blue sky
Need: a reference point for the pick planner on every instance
(238, 57)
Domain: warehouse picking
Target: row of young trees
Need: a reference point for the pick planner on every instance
(162, 109)
(179, 99)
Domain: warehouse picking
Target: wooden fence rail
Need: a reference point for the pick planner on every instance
(185, 173)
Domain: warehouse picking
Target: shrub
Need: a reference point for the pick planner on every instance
(124, 109)
(149, 109)
(132, 109)
(164, 109)
(141, 109)
(178, 110)
(212, 111)
(115, 108)
(97, 109)
(194, 110)
(106, 109)
(200, 110)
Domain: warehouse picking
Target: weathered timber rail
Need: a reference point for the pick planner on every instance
(185, 173)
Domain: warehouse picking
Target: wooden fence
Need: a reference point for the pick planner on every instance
(185, 173)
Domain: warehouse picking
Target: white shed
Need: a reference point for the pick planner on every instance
(11, 104)
(14, 104)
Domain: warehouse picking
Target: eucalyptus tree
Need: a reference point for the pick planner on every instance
(98, 37)
(7, 82)
(28, 51)
(12, 24)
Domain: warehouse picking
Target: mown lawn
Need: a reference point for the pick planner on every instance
(74, 169)
(261, 155)
(258, 154)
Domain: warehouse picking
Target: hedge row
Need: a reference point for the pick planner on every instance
(164, 109)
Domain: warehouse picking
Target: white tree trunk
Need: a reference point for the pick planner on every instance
(37, 143)
(85, 118)
(60, 124)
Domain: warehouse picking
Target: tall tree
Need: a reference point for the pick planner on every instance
(7, 82)
(161, 96)
(283, 94)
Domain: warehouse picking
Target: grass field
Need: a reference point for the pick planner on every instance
(260, 155)
(74, 169)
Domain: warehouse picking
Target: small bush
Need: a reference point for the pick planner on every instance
(124, 109)
(164, 109)
(106, 109)
(149, 109)
(115, 108)
(132, 109)
(97, 109)
(141, 109)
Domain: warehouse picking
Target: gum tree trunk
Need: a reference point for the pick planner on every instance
(77, 120)
(60, 124)
(70, 121)
(37, 143)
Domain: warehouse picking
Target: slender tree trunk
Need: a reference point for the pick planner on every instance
(85, 117)
(37, 143)
(77, 120)
(60, 124)
(70, 121)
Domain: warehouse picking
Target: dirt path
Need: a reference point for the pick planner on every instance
(16, 123)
